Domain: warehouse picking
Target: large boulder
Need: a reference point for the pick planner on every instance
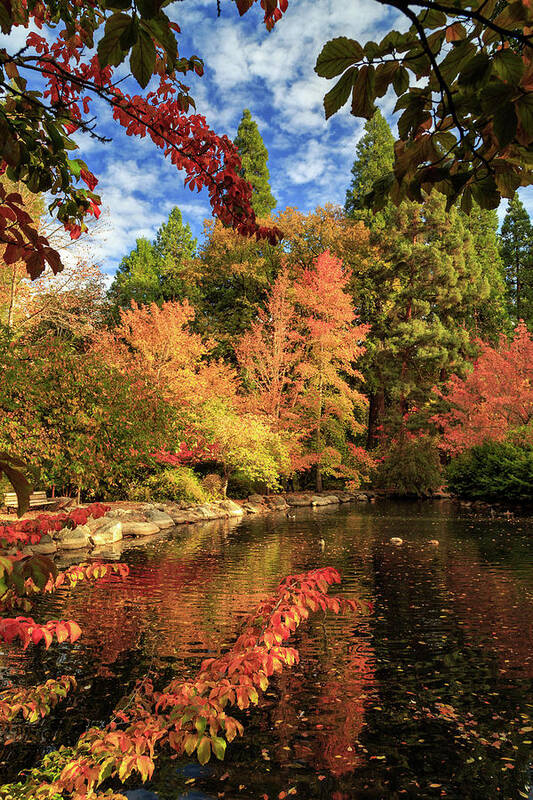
(137, 528)
(256, 499)
(94, 523)
(345, 497)
(277, 503)
(253, 508)
(210, 511)
(298, 500)
(233, 509)
(323, 500)
(74, 538)
(160, 518)
(108, 533)
(362, 498)
(45, 547)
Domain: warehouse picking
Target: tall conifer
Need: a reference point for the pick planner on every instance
(254, 157)
(374, 157)
(517, 255)
(157, 271)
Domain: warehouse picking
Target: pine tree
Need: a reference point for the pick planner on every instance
(374, 158)
(517, 255)
(431, 284)
(254, 157)
(490, 315)
(157, 271)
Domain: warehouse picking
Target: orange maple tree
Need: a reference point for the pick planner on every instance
(494, 398)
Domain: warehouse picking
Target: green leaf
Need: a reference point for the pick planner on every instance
(384, 76)
(204, 750)
(475, 71)
(508, 66)
(219, 747)
(524, 110)
(200, 724)
(400, 81)
(452, 64)
(504, 123)
(363, 93)
(160, 30)
(148, 8)
(110, 49)
(337, 55)
(432, 18)
(121, 5)
(340, 93)
(485, 193)
(142, 59)
(507, 182)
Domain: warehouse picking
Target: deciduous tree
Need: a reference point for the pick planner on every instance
(330, 403)
(494, 399)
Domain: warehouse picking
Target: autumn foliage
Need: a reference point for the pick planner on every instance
(191, 716)
(494, 399)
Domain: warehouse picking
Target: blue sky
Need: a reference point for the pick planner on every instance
(245, 67)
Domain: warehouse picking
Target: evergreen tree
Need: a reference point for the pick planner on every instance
(490, 315)
(374, 157)
(254, 157)
(429, 286)
(517, 255)
(157, 271)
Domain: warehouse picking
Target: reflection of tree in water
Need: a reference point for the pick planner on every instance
(380, 707)
(446, 723)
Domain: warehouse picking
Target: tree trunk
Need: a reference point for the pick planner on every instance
(11, 308)
(376, 412)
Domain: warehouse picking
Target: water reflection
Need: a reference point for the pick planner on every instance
(429, 695)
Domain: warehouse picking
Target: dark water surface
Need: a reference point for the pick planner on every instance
(429, 695)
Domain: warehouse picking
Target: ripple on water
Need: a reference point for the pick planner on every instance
(429, 694)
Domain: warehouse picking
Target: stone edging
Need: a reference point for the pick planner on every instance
(150, 518)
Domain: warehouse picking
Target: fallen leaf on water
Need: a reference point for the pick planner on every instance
(225, 776)
(321, 777)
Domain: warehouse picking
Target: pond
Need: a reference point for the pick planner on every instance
(427, 694)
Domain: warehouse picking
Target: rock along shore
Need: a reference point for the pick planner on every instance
(137, 520)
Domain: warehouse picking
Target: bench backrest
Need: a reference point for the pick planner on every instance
(10, 498)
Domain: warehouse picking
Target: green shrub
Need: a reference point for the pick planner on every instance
(178, 484)
(500, 471)
(409, 466)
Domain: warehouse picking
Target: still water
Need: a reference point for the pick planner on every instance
(428, 695)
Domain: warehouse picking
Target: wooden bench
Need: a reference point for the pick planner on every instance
(37, 500)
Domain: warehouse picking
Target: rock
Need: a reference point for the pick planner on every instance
(256, 499)
(345, 497)
(396, 540)
(135, 528)
(210, 511)
(233, 509)
(277, 503)
(108, 533)
(362, 498)
(333, 498)
(323, 500)
(46, 547)
(160, 518)
(298, 500)
(74, 539)
(93, 524)
(253, 508)
(182, 517)
(127, 514)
